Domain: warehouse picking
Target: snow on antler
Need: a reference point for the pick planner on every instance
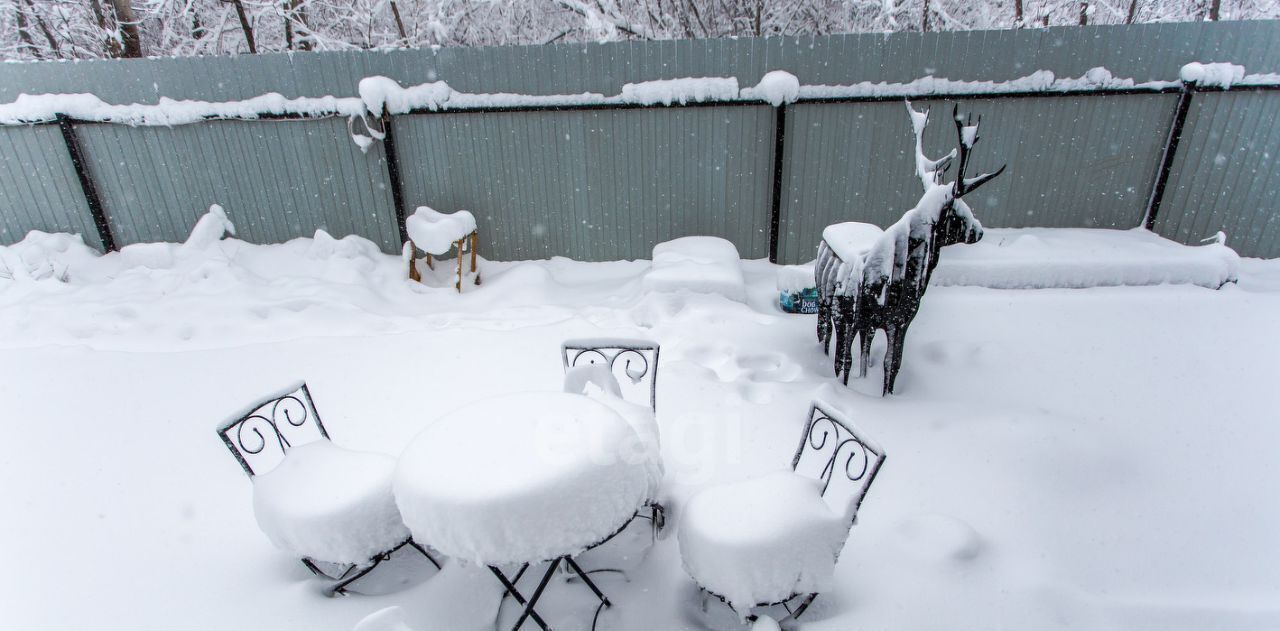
(929, 171)
(967, 134)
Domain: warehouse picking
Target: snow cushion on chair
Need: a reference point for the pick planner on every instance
(761, 540)
(708, 265)
(436, 232)
(330, 504)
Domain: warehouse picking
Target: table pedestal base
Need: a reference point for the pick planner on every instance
(529, 604)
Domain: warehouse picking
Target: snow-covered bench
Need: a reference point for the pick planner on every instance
(330, 506)
(709, 265)
(774, 539)
(436, 233)
(1035, 258)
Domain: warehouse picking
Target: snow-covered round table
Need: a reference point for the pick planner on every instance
(521, 479)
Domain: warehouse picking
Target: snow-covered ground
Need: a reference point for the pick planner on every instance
(1090, 458)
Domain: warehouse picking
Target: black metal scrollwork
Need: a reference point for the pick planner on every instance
(639, 360)
(273, 426)
(828, 439)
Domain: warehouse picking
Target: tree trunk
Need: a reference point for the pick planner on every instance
(1017, 13)
(1133, 12)
(395, 13)
(44, 30)
(295, 21)
(1084, 14)
(128, 25)
(924, 18)
(1215, 10)
(244, 24)
(110, 46)
(24, 35)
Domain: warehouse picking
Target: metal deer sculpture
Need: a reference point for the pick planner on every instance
(882, 288)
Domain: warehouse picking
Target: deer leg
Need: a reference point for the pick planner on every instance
(842, 349)
(864, 357)
(824, 325)
(897, 342)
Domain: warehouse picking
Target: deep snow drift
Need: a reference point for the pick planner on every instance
(1098, 458)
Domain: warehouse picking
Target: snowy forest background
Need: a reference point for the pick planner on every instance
(89, 29)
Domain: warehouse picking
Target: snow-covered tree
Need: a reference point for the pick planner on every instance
(85, 29)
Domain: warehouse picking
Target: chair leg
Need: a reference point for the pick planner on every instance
(424, 553)
(346, 578)
(803, 606)
(340, 588)
(315, 569)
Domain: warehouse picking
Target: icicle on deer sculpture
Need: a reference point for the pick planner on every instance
(870, 280)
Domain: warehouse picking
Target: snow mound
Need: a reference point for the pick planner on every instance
(379, 92)
(209, 229)
(44, 256)
(685, 90)
(1221, 75)
(543, 475)
(795, 278)
(436, 232)
(775, 88)
(329, 504)
(708, 265)
(1035, 258)
(389, 619)
(762, 539)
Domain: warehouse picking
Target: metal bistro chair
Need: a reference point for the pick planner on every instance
(634, 364)
(833, 453)
(261, 439)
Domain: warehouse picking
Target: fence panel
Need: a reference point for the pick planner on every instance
(1072, 162)
(1226, 174)
(596, 184)
(38, 186)
(276, 179)
(607, 185)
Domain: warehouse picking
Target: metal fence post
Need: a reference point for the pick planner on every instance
(393, 172)
(86, 183)
(1166, 157)
(775, 208)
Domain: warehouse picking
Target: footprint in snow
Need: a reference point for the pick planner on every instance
(938, 538)
(951, 353)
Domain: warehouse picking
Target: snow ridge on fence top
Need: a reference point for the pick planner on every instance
(36, 108)
(1038, 81)
(776, 88)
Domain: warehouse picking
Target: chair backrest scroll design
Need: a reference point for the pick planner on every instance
(260, 437)
(634, 363)
(842, 458)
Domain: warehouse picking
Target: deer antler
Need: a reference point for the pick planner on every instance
(967, 134)
(929, 171)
